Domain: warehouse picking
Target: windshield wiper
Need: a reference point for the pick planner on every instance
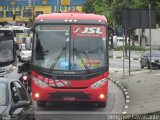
(57, 58)
(79, 56)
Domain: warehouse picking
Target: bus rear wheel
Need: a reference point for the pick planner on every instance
(41, 103)
(102, 104)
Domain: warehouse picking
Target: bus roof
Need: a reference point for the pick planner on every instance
(18, 27)
(72, 16)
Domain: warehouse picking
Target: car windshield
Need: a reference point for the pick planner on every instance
(3, 94)
(154, 53)
(65, 47)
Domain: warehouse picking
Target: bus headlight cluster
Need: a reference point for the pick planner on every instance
(39, 82)
(25, 77)
(99, 83)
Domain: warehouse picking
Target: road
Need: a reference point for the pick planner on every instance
(73, 111)
(70, 111)
(117, 65)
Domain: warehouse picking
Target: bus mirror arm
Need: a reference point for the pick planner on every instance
(111, 29)
(16, 46)
(31, 30)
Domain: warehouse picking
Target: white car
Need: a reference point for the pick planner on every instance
(120, 40)
(24, 54)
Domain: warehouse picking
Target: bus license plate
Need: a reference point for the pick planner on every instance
(69, 98)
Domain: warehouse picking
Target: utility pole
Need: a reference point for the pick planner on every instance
(57, 6)
(150, 36)
(33, 12)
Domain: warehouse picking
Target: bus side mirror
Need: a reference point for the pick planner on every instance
(111, 30)
(25, 67)
(17, 46)
(19, 69)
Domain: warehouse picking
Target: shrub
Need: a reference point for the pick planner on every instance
(136, 48)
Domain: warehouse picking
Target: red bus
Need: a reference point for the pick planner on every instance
(70, 58)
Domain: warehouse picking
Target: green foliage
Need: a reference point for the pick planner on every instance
(116, 11)
(88, 6)
(113, 10)
(124, 85)
(95, 6)
(136, 48)
(158, 48)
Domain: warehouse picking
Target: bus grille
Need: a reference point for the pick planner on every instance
(68, 87)
(61, 95)
(74, 77)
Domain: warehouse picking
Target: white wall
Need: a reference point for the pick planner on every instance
(155, 37)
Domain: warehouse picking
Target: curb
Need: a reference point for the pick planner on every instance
(125, 92)
(120, 57)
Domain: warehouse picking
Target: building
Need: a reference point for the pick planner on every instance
(26, 10)
(148, 38)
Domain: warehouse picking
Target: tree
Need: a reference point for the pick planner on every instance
(112, 9)
(144, 4)
(88, 6)
(98, 7)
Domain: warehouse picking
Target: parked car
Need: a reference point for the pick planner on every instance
(15, 102)
(155, 59)
(120, 40)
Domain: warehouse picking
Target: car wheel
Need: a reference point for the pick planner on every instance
(141, 66)
(102, 104)
(41, 103)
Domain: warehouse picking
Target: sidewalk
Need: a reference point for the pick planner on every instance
(135, 55)
(143, 89)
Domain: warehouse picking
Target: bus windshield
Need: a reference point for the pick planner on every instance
(70, 47)
(6, 46)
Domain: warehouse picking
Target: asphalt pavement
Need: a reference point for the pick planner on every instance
(143, 90)
(135, 55)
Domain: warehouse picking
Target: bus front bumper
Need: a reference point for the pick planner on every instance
(81, 95)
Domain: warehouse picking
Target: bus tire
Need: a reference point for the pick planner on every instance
(41, 103)
(102, 104)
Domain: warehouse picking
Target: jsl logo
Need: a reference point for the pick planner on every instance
(92, 30)
(88, 30)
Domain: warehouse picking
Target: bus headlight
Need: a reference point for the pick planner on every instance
(39, 82)
(24, 77)
(99, 83)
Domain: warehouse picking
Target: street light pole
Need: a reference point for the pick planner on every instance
(150, 64)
